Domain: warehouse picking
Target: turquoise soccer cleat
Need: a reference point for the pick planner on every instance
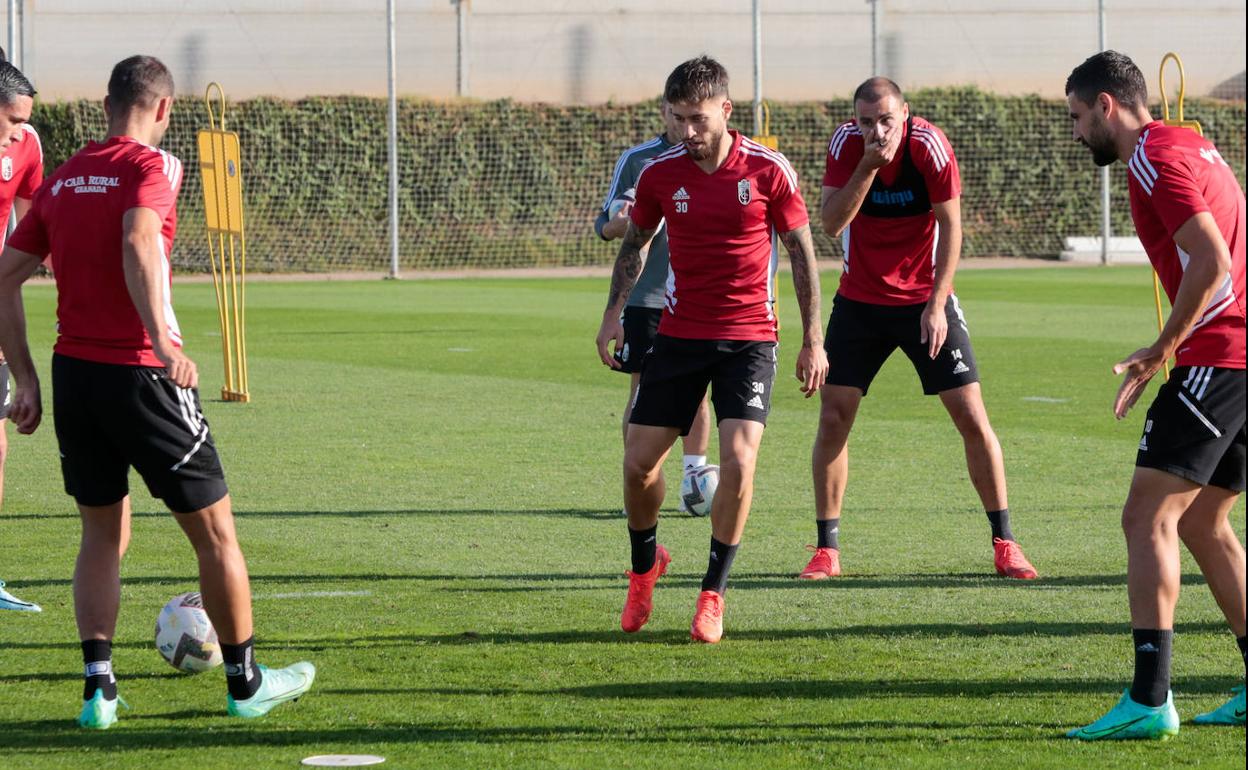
(10, 602)
(1229, 713)
(1130, 721)
(99, 713)
(277, 686)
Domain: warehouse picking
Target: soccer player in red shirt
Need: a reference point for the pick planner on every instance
(1188, 210)
(720, 194)
(124, 393)
(21, 171)
(892, 191)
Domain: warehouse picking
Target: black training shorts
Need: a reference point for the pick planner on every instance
(861, 336)
(641, 324)
(1195, 427)
(676, 372)
(110, 417)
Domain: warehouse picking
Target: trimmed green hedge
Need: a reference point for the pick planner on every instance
(502, 184)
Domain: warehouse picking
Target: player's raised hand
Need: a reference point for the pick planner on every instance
(880, 146)
(26, 408)
(812, 368)
(933, 329)
(1140, 367)
(611, 329)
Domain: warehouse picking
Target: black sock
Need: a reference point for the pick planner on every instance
(1152, 665)
(1000, 521)
(828, 531)
(242, 675)
(718, 567)
(97, 669)
(645, 544)
(1242, 641)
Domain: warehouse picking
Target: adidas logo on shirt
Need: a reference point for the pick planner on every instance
(756, 402)
(680, 195)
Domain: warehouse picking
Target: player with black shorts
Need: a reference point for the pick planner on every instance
(720, 195)
(124, 393)
(644, 307)
(21, 171)
(891, 190)
(1188, 210)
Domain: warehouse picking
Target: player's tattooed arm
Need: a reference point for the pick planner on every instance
(628, 264)
(812, 361)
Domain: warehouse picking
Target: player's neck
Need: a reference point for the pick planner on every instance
(1133, 124)
(139, 130)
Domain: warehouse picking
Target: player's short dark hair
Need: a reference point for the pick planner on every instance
(874, 89)
(12, 82)
(696, 81)
(138, 82)
(1111, 73)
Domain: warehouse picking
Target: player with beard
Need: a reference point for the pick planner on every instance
(1188, 210)
(720, 195)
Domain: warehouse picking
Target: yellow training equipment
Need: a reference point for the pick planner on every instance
(220, 165)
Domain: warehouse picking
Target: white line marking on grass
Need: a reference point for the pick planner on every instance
(314, 595)
(459, 350)
(1046, 399)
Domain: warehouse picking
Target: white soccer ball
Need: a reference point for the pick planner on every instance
(619, 203)
(185, 636)
(697, 488)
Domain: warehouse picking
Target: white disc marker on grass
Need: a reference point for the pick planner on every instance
(343, 760)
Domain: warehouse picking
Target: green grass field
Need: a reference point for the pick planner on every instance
(427, 486)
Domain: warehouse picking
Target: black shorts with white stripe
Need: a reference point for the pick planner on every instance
(1195, 427)
(111, 417)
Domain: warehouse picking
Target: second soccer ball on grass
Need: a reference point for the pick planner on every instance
(697, 488)
(185, 636)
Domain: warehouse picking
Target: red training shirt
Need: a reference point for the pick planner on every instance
(77, 217)
(1175, 175)
(21, 171)
(889, 260)
(719, 237)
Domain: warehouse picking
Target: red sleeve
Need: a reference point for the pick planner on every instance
(31, 236)
(156, 184)
(646, 212)
(933, 155)
(786, 207)
(844, 153)
(1176, 195)
(34, 171)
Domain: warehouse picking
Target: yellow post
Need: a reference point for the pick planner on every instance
(1175, 121)
(220, 165)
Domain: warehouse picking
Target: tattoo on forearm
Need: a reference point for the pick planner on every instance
(801, 250)
(628, 263)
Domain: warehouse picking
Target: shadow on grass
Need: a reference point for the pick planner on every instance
(529, 582)
(669, 637)
(811, 689)
(582, 513)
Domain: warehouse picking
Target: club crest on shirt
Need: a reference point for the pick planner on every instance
(6, 169)
(743, 191)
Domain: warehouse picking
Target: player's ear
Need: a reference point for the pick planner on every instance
(164, 105)
(1105, 103)
(108, 109)
(727, 108)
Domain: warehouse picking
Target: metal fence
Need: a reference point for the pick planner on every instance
(600, 53)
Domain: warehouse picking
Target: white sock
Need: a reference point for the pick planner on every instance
(694, 461)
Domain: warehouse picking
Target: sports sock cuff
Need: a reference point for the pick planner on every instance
(694, 461)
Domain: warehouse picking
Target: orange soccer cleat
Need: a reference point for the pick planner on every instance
(708, 618)
(825, 563)
(639, 603)
(1009, 560)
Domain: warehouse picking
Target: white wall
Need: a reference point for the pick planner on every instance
(594, 51)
